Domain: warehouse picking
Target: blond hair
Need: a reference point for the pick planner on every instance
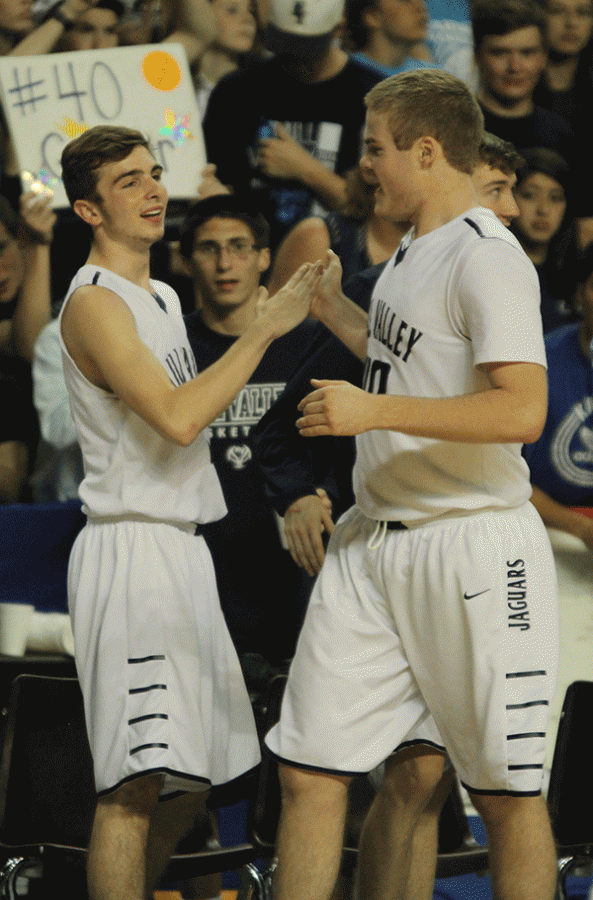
(431, 102)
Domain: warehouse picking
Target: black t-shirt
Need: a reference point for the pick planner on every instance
(262, 592)
(326, 118)
(569, 105)
(543, 128)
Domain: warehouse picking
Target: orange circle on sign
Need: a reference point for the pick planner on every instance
(161, 70)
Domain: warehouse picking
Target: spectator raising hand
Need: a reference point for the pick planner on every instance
(33, 307)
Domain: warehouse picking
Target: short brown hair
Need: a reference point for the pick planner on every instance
(499, 154)
(431, 102)
(501, 17)
(223, 206)
(82, 157)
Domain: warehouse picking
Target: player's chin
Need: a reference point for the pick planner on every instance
(155, 232)
(382, 206)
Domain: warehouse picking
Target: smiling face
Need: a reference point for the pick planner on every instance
(226, 264)
(11, 265)
(392, 171)
(511, 64)
(542, 204)
(130, 202)
(235, 25)
(495, 191)
(569, 25)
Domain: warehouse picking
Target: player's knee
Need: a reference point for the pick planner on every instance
(498, 809)
(315, 788)
(412, 781)
(138, 797)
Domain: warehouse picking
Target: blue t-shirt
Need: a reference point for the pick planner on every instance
(457, 10)
(561, 460)
(385, 71)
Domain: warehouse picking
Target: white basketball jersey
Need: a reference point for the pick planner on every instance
(461, 295)
(129, 469)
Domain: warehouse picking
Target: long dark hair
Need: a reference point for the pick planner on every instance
(562, 252)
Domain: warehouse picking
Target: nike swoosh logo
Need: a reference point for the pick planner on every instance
(470, 596)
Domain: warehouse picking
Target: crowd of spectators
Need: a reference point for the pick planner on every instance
(280, 87)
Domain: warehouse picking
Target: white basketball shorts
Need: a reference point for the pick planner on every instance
(162, 685)
(445, 634)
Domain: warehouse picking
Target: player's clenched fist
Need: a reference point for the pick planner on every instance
(337, 408)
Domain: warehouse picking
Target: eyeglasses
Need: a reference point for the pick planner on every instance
(239, 248)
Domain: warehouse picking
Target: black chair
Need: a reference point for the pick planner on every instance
(47, 796)
(570, 792)
(459, 853)
(43, 664)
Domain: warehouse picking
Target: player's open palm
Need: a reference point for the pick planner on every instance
(337, 408)
(290, 305)
(329, 288)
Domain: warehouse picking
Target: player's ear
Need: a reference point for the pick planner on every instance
(88, 211)
(264, 259)
(428, 151)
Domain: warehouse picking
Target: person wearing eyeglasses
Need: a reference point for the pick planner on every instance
(225, 246)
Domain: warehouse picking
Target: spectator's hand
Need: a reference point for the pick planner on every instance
(337, 408)
(210, 186)
(281, 156)
(305, 520)
(37, 218)
(72, 9)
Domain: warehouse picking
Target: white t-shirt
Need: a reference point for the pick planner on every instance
(461, 295)
(129, 469)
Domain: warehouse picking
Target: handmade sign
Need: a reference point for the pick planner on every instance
(49, 100)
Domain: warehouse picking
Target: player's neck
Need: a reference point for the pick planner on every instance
(450, 198)
(383, 237)
(231, 321)
(131, 264)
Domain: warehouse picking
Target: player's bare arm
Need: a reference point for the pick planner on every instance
(337, 312)
(511, 410)
(100, 333)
